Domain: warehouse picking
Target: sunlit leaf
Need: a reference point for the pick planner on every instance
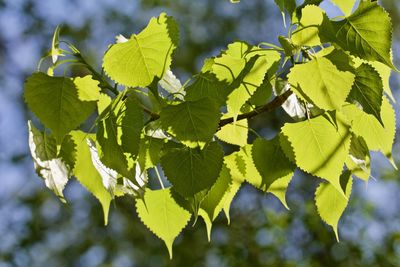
(87, 174)
(367, 33)
(320, 147)
(330, 85)
(54, 170)
(60, 103)
(162, 215)
(331, 203)
(144, 56)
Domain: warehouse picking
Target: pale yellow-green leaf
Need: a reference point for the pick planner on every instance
(235, 133)
(237, 170)
(320, 82)
(212, 204)
(346, 6)
(87, 174)
(331, 203)
(162, 215)
(88, 88)
(250, 63)
(376, 136)
(103, 103)
(307, 32)
(320, 147)
(144, 56)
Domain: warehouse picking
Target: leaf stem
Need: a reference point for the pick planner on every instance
(103, 82)
(159, 177)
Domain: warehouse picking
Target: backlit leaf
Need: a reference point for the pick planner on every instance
(87, 174)
(212, 204)
(367, 90)
(320, 147)
(60, 103)
(331, 203)
(367, 33)
(191, 122)
(48, 165)
(144, 56)
(307, 33)
(191, 170)
(275, 168)
(346, 6)
(235, 133)
(376, 136)
(162, 215)
(329, 88)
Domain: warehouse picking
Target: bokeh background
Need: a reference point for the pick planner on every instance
(36, 229)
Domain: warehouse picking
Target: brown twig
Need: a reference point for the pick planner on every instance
(275, 103)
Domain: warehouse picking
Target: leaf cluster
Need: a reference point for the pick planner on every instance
(330, 75)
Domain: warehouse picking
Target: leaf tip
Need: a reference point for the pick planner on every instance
(168, 244)
(335, 229)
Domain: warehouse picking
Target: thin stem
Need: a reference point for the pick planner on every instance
(97, 76)
(159, 177)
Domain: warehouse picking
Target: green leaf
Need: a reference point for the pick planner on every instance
(192, 122)
(87, 174)
(110, 176)
(275, 168)
(146, 56)
(230, 63)
(131, 126)
(376, 136)
(331, 203)
(321, 83)
(103, 103)
(359, 159)
(162, 215)
(384, 72)
(346, 6)
(191, 170)
(307, 32)
(206, 84)
(237, 170)
(235, 133)
(212, 204)
(279, 188)
(60, 103)
(270, 161)
(319, 147)
(149, 152)
(54, 170)
(244, 67)
(88, 89)
(367, 33)
(367, 90)
(119, 135)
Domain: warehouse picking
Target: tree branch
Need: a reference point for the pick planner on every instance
(275, 103)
